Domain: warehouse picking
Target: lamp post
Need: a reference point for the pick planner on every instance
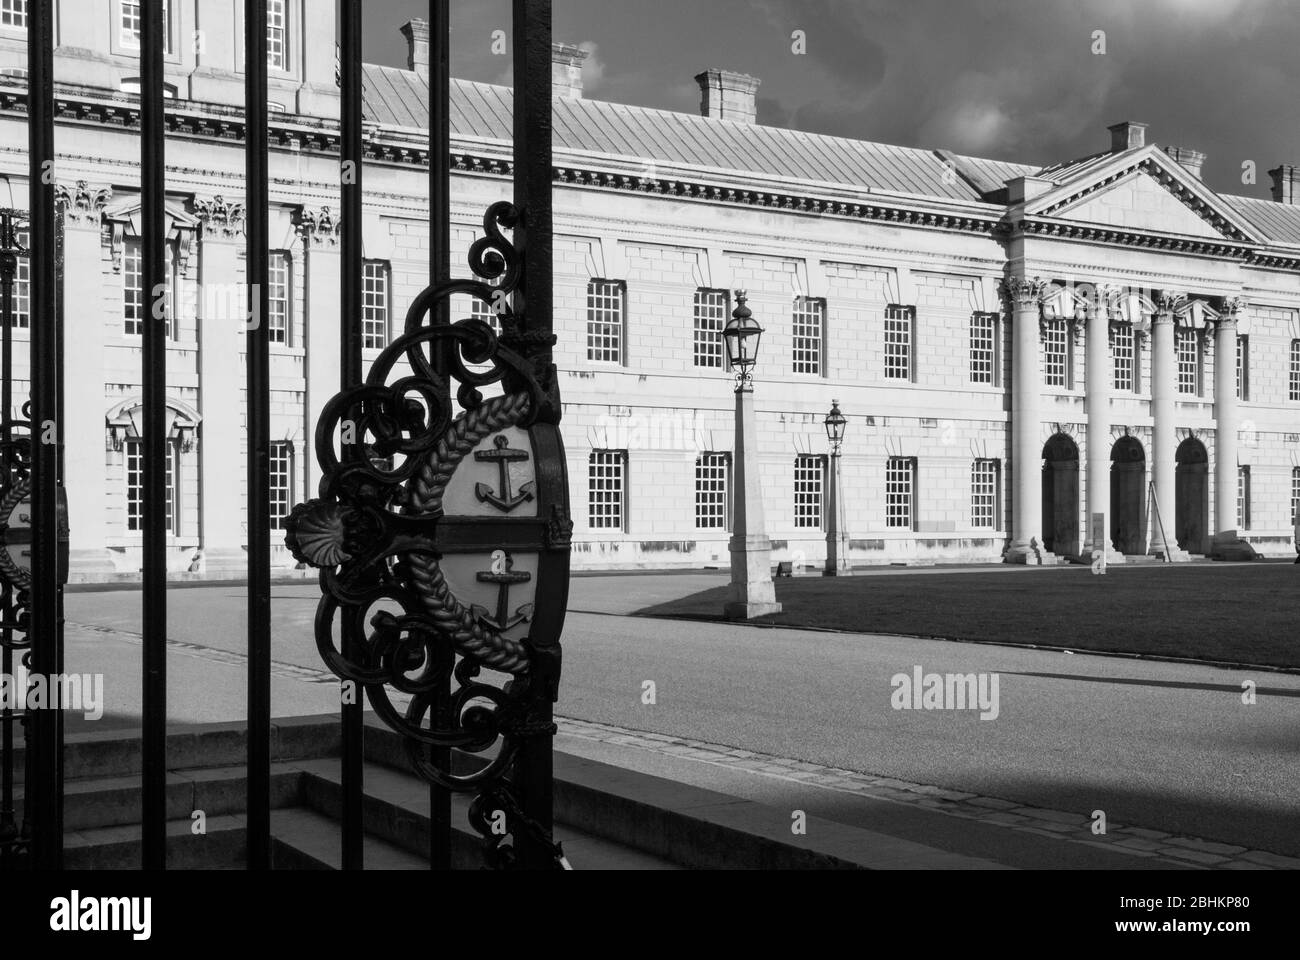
(837, 554)
(752, 592)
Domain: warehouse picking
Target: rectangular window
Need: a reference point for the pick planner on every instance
(134, 450)
(899, 323)
(132, 25)
(374, 304)
(606, 489)
(1243, 368)
(13, 13)
(281, 287)
(132, 296)
(1123, 348)
(1056, 354)
(1189, 361)
(1295, 494)
(712, 472)
(1294, 392)
(23, 284)
(900, 488)
(809, 481)
(983, 348)
(711, 309)
(1243, 498)
(605, 302)
(808, 330)
(134, 304)
(281, 483)
(277, 45)
(486, 311)
(984, 487)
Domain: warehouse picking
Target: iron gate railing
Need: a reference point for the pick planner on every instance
(376, 533)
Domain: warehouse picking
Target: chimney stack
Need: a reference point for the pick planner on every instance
(1286, 184)
(1190, 160)
(1128, 135)
(728, 96)
(416, 33)
(566, 70)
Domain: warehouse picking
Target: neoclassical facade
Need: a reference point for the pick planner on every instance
(1037, 364)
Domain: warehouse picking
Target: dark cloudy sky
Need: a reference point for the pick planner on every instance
(1007, 79)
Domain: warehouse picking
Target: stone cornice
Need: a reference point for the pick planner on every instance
(1117, 236)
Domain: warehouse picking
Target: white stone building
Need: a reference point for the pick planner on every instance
(1017, 349)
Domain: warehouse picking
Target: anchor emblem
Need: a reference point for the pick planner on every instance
(504, 577)
(503, 456)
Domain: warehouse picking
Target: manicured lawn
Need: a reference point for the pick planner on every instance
(1243, 614)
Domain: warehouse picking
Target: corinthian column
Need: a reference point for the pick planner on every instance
(1026, 547)
(1098, 382)
(1225, 421)
(1164, 432)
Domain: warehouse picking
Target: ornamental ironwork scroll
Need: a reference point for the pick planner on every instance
(444, 524)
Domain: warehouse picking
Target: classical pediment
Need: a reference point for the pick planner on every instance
(1142, 191)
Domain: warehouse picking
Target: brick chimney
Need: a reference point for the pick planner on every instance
(416, 33)
(1286, 184)
(1190, 160)
(566, 70)
(1128, 135)
(728, 96)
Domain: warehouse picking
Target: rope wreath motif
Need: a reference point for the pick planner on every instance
(455, 620)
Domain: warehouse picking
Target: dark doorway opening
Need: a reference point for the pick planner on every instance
(1128, 499)
(1192, 497)
(1061, 496)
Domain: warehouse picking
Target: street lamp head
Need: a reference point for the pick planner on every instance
(835, 423)
(742, 335)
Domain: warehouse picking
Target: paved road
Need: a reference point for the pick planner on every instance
(1165, 746)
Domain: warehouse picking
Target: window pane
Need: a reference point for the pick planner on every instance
(132, 295)
(374, 305)
(710, 318)
(1294, 392)
(809, 322)
(711, 470)
(1189, 362)
(281, 483)
(23, 284)
(809, 477)
(13, 13)
(1123, 347)
(1056, 354)
(132, 25)
(278, 273)
(605, 489)
(277, 48)
(605, 321)
(898, 492)
(984, 494)
(1243, 498)
(983, 331)
(898, 343)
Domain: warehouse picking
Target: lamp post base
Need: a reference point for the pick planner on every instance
(742, 610)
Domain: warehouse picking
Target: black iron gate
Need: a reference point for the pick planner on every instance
(443, 477)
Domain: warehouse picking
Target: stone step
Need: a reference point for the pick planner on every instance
(223, 846)
(303, 839)
(396, 810)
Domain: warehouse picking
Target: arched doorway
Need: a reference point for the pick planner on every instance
(1192, 497)
(1128, 481)
(1061, 496)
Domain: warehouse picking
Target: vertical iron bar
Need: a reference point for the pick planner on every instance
(440, 269)
(258, 378)
(153, 193)
(352, 155)
(44, 796)
(532, 158)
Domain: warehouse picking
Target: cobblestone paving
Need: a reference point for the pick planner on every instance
(1059, 824)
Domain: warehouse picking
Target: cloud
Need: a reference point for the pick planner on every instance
(593, 70)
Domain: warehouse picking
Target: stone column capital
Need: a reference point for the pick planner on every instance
(1023, 292)
(1169, 305)
(318, 228)
(1231, 309)
(83, 203)
(221, 219)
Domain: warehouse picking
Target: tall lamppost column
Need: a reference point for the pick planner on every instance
(1026, 423)
(752, 591)
(837, 554)
(1164, 431)
(1226, 420)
